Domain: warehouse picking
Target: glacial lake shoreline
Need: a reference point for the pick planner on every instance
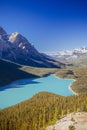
(24, 89)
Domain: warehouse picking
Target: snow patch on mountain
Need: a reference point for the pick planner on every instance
(18, 49)
(69, 55)
(13, 36)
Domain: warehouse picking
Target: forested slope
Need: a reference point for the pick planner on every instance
(41, 110)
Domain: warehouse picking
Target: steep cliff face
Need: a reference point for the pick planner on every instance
(16, 48)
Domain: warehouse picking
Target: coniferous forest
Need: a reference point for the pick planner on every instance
(41, 110)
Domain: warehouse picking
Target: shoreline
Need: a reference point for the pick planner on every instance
(69, 85)
(72, 90)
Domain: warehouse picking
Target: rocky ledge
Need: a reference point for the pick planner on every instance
(73, 121)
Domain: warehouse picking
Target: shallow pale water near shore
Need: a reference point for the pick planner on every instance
(24, 89)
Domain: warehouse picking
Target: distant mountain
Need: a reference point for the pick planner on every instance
(16, 48)
(74, 56)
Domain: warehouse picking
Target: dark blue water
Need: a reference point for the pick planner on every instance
(23, 89)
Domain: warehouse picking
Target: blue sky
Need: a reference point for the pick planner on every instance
(51, 25)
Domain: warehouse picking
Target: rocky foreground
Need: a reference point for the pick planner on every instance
(73, 121)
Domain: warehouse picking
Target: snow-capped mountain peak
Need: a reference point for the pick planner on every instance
(81, 50)
(17, 48)
(67, 52)
(70, 55)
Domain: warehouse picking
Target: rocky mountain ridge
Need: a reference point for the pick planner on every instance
(70, 55)
(16, 48)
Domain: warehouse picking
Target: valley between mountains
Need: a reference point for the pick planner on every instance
(19, 59)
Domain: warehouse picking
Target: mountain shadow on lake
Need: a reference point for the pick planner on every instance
(10, 72)
(19, 84)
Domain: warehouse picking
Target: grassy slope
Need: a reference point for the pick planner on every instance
(39, 71)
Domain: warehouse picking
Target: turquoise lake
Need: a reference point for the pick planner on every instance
(24, 89)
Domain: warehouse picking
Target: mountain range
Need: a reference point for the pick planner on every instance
(18, 49)
(71, 56)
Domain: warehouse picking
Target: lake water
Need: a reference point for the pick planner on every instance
(24, 89)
